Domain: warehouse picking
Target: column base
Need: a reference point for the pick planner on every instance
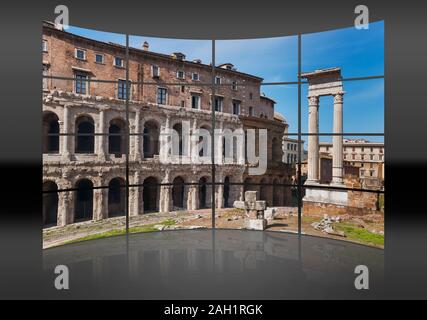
(327, 196)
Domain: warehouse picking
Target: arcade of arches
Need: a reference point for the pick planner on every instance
(97, 144)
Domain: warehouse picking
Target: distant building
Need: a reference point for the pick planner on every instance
(290, 150)
(366, 155)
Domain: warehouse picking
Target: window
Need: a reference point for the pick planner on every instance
(251, 111)
(217, 80)
(121, 90)
(180, 74)
(155, 71)
(251, 95)
(195, 76)
(118, 62)
(234, 86)
(182, 104)
(99, 58)
(161, 95)
(218, 104)
(80, 54)
(236, 107)
(195, 101)
(81, 86)
(372, 157)
(44, 45)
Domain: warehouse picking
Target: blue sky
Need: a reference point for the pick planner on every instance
(358, 52)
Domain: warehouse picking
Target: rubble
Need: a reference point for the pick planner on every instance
(326, 225)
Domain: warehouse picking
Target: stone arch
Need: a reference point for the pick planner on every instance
(151, 138)
(177, 150)
(83, 206)
(263, 190)
(116, 197)
(178, 193)
(85, 143)
(150, 194)
(277, 193)
(50, 204)
(203, 193)
(116, 139)
(204, 141)
(276, 150)
(249, 184)
(50, 132)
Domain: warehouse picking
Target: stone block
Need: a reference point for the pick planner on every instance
(239, 204)
(250, 196)
(269, 213)
(260, 205)
(256, 224)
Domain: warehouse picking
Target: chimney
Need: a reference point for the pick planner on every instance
(145, 46)
(197, 61)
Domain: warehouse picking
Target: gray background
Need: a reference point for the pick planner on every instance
(21, 274)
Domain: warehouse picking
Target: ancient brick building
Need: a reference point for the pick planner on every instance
(74, 102)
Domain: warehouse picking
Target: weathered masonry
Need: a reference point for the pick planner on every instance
(96, 112)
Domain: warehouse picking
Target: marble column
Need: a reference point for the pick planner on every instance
(313, 140)
(101, 138)
(66, 145)
(337, 142)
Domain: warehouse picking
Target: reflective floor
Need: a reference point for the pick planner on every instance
(216, 264)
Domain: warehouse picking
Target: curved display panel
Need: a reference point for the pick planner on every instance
(146, 134)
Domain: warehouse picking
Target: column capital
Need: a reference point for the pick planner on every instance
(339, 97)
(313, 101)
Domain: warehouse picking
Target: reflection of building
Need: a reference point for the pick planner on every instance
(368, 156)
(96, 111)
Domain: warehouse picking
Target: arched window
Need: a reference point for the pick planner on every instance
(50, 133)
(50, 204)
(116, 197)
(178, 193)
(151, 139)
(203, 141)
(203, 193)
(177, 142)
(116, 139)
(83, 206)
(85, 140)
